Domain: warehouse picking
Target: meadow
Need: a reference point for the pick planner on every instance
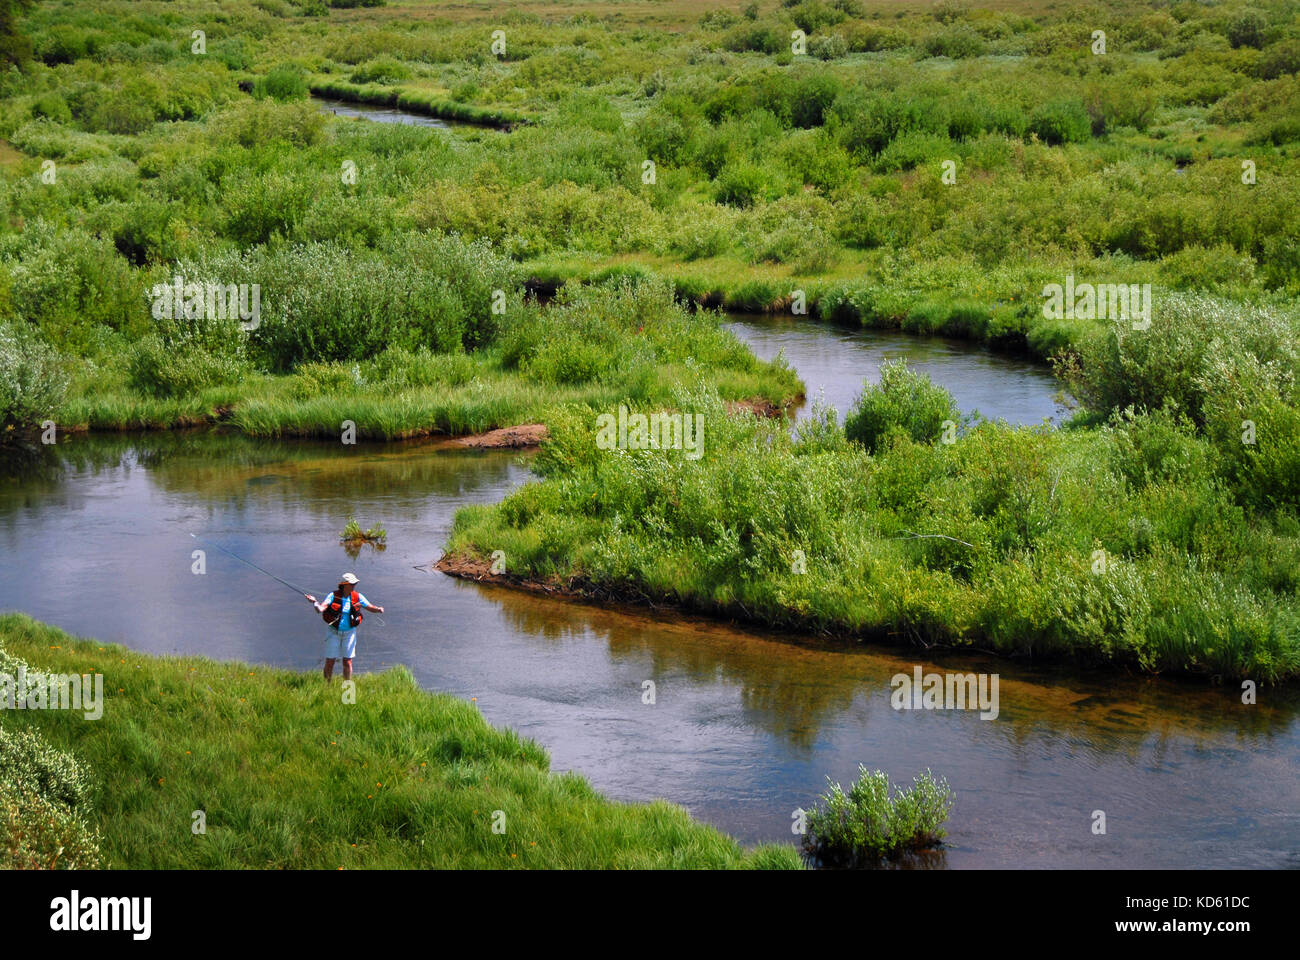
(617, 170)
(1154, 539)
(927, 167)
(399, 779)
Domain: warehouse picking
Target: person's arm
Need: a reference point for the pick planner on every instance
(367, 605)
(320, 607)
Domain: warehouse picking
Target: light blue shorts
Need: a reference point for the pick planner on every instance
(340, 644)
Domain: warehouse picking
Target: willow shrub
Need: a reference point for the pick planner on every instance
(46, 799)
(867, 824)
(34, 383)
(1173, 361)
(323, 302)
(156, 369)
(903, 402)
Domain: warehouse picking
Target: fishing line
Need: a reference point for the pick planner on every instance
(377, 620)
(251, 564)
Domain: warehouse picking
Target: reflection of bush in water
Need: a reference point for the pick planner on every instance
(788, 705)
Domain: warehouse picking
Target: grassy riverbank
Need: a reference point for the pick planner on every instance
(625, 342)
(413, 101)
(1158, 532)
(288, 776)
(931, 168)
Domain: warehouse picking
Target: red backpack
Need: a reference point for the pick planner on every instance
(334, 612)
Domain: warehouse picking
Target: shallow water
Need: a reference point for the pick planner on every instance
(746, 725)
(834, 361)
(380, 114)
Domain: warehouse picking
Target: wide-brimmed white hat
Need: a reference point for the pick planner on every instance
(349, 578)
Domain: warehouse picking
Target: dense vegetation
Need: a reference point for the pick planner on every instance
(401, 778)
(869, 823)
(927, 166)
(701, 157)
(1158, 531)
(825, 172)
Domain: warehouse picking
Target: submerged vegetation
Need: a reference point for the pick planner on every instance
(401, 778)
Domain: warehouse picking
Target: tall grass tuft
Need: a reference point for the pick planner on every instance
(865, 825)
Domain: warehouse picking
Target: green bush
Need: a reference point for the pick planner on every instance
(904, 402)
(1279, 59)
(399, 367)
(957, 42)
(158, 370)
(317, 379)
(1251, 411)
(44, 797)
(1158, 446)
(741, 184)
(34, 383)
(811, 16)
(831, 46)
(1166, 364)
(868, 123)
(913, 149)
(37, 833)
(51, 106)
(324, 302)
(859, 828)
(384, 70)
(757, 37)
(281, 83)
(865, 37)
(1061, 121)
(55, 775)
(1246, 29)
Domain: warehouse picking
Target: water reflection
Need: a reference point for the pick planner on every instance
(368, 111)
(834, 360)
(746, 725)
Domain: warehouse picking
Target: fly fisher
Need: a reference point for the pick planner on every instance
(342, 611)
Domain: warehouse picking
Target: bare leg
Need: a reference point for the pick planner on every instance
(347, 668)
(329, 668)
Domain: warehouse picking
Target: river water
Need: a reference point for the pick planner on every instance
(746, 724)
(380, 114)
(834, 361)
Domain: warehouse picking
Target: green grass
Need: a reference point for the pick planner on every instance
(290, 777)
(416, 101)
(1146, 535)
(925, 169)
(867, 824)
(929, 168)
(638, 346)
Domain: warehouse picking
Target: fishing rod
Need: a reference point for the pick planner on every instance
(379, 621)
(251, 564)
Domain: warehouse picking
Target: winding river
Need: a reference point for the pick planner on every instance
(746, 724)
